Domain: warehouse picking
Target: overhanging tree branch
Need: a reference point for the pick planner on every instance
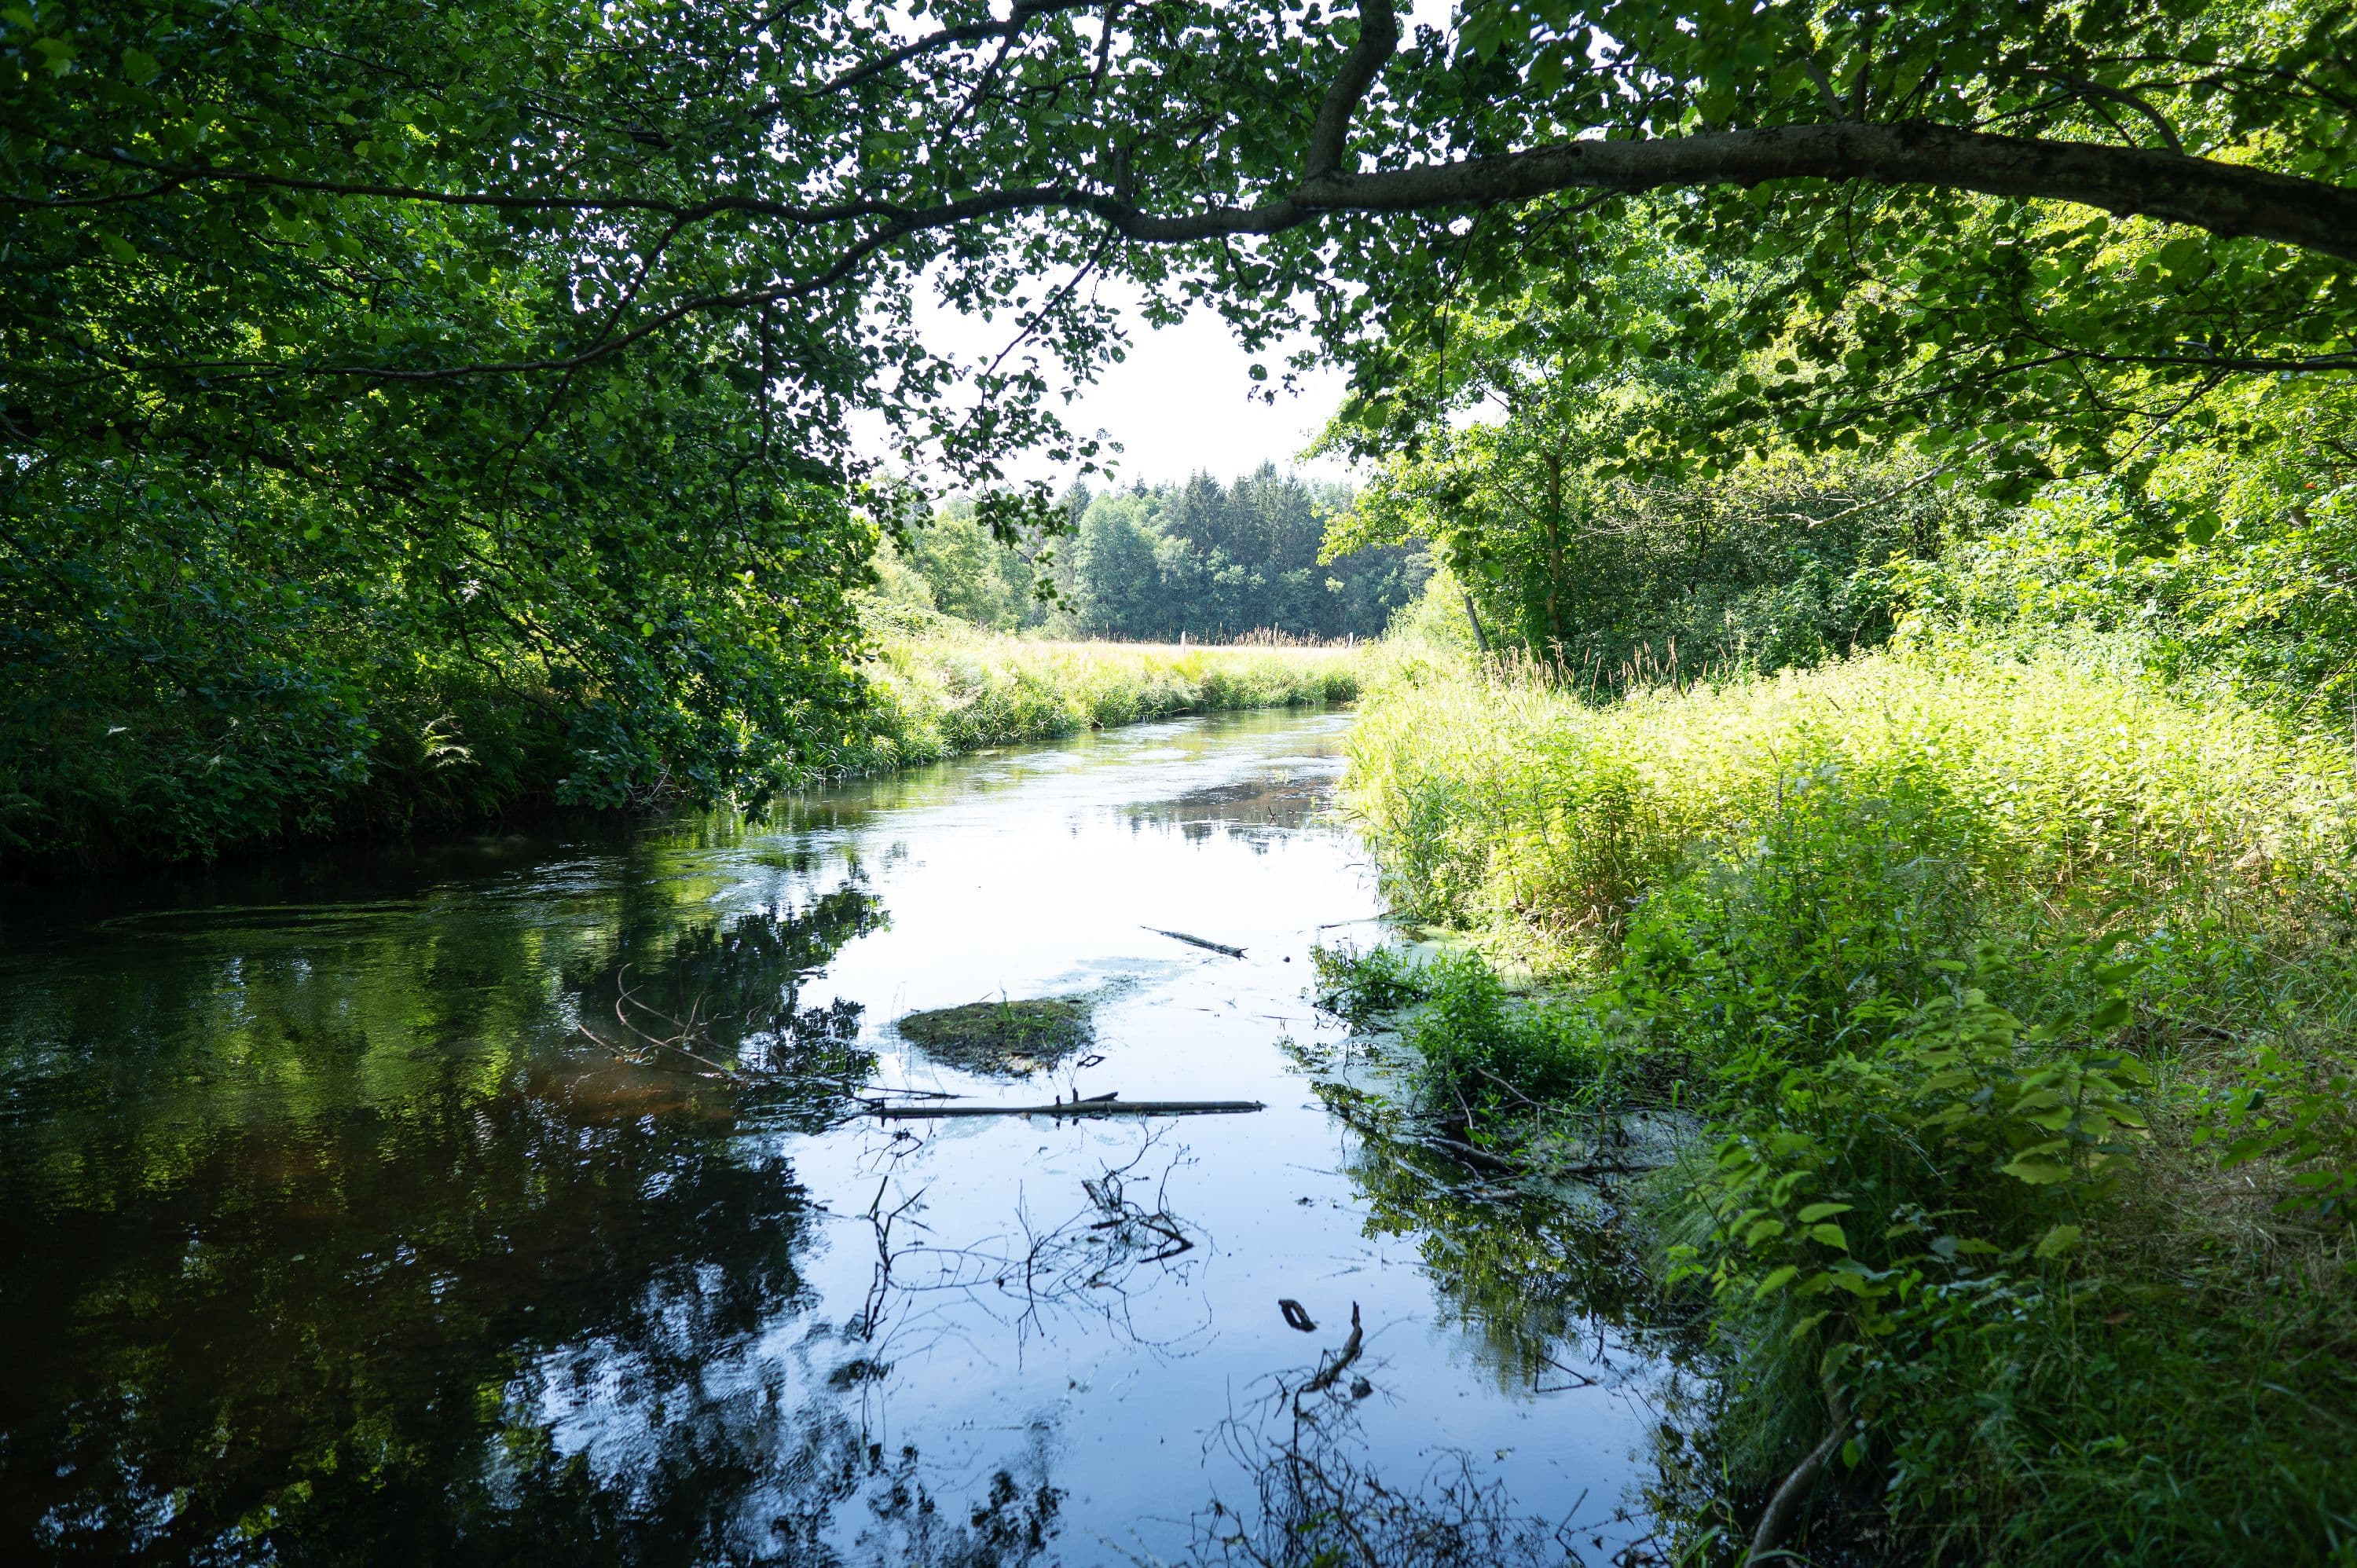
(2204, 193)
(2224, 198)
(837, 232)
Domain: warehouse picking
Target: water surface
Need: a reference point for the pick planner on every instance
(344, 1221)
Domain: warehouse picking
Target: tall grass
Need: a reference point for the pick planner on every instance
(947, 690)
(1504, 801)
(2016, 995)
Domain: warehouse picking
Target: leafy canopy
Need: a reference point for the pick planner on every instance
(369, 364)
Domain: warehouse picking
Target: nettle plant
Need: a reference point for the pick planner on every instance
(1964, 1143)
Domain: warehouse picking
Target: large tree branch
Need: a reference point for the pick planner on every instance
(2224, 198)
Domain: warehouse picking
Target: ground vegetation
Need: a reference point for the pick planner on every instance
(2004, 998)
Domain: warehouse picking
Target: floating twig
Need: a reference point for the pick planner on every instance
(1473, 1156)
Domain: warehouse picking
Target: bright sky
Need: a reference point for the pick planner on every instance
(1182, 401)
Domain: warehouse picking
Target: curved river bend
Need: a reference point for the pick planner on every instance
(345, 1222)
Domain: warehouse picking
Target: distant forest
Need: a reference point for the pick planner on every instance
(1151, 562)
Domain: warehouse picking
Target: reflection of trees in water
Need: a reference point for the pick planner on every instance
(1548, 1290)
(1546, 1287)
(727, 997)
(745, 975)
(301, 1344)
(1314, 1503)
(1257, 811)
(358, 1290)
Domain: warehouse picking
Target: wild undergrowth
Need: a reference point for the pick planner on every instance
(948, 689)
(2013, 996)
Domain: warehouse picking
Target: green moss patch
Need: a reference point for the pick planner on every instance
(1013, 1038)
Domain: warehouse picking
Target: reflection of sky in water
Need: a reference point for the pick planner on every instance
(664, 1306)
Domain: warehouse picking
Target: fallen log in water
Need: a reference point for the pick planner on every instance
(1104, 1105)
(1199, 941)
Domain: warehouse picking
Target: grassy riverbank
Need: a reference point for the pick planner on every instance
(950, 689)
(2009, 998)
(931, 687)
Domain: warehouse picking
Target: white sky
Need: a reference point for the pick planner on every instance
(1180, 402)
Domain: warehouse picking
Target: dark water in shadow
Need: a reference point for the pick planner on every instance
(343, 1223)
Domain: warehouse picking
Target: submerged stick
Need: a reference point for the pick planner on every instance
(1333, 1369)
(1199, 941)
(1105, 1106)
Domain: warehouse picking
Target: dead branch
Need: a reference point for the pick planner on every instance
(1104, 1105)
(1333, 1369)
(1199, 941)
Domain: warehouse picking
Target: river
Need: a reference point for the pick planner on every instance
(344, 1220)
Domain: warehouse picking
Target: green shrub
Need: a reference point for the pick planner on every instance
(1483, 1053)
(2011, 992)
(1359, 986)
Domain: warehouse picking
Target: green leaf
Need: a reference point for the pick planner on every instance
(1776, 1280)
(2058, 1241)
(1830, 1235)
(2038, 1170)
(140, 68)
(1816, 1211)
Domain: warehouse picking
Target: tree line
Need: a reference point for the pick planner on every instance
(1199, 560)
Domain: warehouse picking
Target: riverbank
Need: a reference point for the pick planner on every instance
(950, 688)
(513, 751)
(2006, 999)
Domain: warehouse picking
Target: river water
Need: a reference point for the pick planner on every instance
(343, 1221)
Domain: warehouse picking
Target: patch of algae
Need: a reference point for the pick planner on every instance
(1008, 1039)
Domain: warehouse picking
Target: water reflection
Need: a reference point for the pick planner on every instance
(510, 1197)
(315, 1213)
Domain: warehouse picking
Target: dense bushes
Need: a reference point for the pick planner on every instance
(228, 660)
(2014, 996)
(2222, 566)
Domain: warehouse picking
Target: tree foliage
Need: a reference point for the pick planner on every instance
(1213, 561)
(408, 407)
(1518, 471)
